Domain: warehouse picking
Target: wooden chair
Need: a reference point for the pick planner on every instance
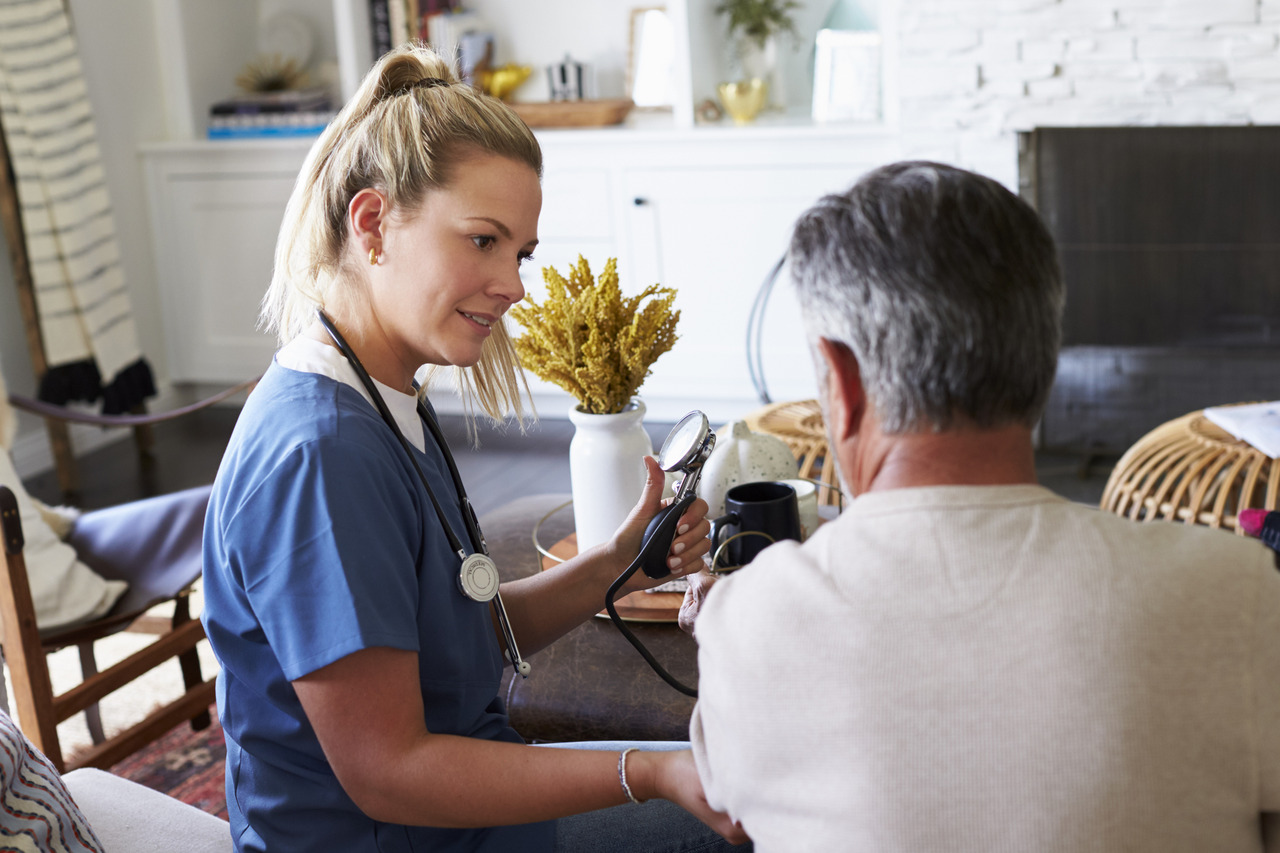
(39, 710)
(59, 418)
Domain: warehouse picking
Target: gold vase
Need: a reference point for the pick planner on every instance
(744, 99)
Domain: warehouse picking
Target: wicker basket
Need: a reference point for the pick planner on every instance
(801, 426)
(1191, 470)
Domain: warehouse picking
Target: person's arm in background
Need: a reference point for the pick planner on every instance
(700, 584)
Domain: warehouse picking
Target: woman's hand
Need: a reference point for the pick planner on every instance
(673, 776)
(688, 547)
(545, 605)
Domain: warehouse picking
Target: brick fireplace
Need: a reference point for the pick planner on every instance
(975, 76)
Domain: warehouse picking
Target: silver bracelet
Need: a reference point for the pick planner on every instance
(622, 775)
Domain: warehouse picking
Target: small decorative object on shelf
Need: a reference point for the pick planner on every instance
(501, 82)
(567, 80)
(598, 345)
(274, 73)
(276, 98)
(754, 29)
(744, 99)
(846, 66)
(709, 111)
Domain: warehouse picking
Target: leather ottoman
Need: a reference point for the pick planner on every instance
(591, 684)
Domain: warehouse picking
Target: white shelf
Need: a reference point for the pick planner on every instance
(203, 46)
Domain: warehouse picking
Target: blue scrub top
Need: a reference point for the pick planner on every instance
(320, 541)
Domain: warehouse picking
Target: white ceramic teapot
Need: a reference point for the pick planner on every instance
(742, 456)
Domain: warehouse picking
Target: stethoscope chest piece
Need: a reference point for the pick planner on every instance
(478, 577)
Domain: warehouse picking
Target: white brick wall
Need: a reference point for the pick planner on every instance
(971, 73)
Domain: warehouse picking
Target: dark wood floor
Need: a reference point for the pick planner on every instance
(506, 466)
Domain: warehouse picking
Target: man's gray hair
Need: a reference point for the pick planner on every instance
(944, 285)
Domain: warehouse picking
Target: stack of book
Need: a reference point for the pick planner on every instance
(300, 112)
(397, 21)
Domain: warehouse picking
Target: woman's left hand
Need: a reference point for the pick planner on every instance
(688, 547)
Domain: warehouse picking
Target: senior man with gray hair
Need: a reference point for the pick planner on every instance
(964, 661)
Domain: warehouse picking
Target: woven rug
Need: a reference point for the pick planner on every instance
(185, 764)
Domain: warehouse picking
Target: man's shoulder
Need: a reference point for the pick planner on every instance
(1175, 537)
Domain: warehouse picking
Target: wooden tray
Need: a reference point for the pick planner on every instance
(574, 113)
(635, 607)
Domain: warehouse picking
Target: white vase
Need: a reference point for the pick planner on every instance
(606, 470)
(755, 60)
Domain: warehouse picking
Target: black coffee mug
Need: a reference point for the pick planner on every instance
(756, 516)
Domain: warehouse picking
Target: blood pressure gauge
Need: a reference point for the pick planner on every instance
(686, 449)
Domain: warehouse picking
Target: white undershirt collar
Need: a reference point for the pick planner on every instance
(307, 355)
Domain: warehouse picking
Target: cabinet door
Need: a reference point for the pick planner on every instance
(577, 219)
(714, 235)
(215, 253)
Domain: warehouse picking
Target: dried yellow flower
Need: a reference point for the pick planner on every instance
(592, 341)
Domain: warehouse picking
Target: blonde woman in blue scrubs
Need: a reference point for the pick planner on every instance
(359, 685)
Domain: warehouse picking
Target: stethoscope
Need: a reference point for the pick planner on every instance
(478, 577)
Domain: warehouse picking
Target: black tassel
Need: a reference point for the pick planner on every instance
(82, 381)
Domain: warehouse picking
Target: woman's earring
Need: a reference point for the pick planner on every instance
(373, 257)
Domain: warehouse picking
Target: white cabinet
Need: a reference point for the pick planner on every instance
(216, 212)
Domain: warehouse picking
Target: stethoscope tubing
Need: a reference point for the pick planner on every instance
(478, 544)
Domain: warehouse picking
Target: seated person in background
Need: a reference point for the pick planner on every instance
(964, 661)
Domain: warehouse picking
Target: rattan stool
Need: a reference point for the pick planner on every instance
(800, 425)
(1193, 471)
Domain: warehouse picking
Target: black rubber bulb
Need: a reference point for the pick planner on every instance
(658, 536)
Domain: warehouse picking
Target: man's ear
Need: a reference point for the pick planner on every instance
(366, 215)
(846, 397)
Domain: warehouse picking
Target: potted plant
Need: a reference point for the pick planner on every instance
(599, 346)
(754, 27)
(759, 20)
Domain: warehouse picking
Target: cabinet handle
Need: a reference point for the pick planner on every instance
(640, 201)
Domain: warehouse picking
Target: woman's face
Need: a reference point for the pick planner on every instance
(450, 269)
